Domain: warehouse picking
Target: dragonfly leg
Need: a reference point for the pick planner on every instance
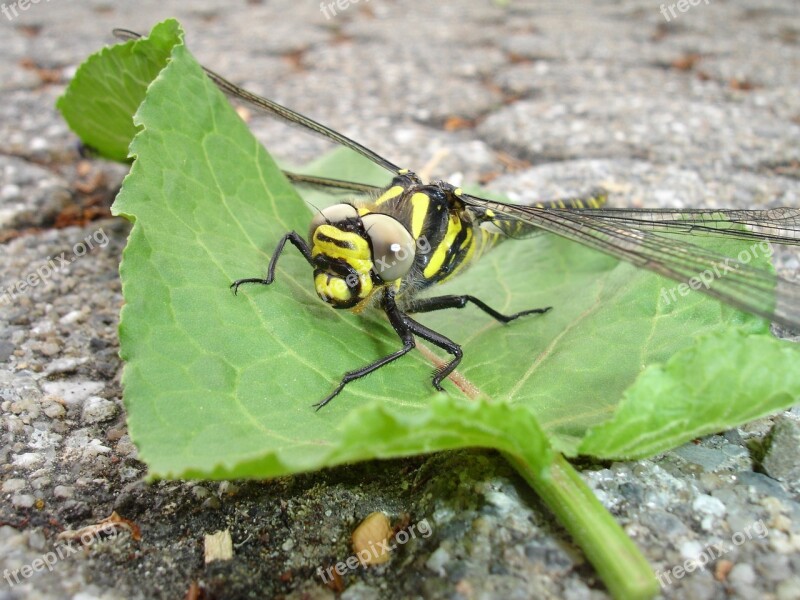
(297, 241)
(442, 302)
(406, 329)
(444, 343)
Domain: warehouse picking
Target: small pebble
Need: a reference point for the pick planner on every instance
(63, 491)
(39, 143)
(95, 447)
(55, 411)
(97, 410)
(71, 317)
(37, 540)
(226, 488)
(6, 350)
(708, 505)
(73, 392)
(64, 365)
(437, 561)
(28, 460)
(218, 546)
(367, 538)
(23, 500)
(13, 485)
(690, 549)
(50, 349)
(211, 502)
(200, 492)
(783, 454)
(742, 574)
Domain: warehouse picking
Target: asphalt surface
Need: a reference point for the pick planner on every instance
(536, 99)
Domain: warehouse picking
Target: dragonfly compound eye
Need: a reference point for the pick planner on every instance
(331, 215)
(393, 247)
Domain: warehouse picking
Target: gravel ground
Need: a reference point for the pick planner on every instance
(700, 110)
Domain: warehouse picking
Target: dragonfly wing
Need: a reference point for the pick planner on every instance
(779, 225)
(629, 236)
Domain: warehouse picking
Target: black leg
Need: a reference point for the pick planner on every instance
(441, 302)
(444, 343)
(398, 321)
(406, 329)
(298, 243)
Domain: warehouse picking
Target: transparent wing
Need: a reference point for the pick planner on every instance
(333, 185)
(638, 238)
(779, 225)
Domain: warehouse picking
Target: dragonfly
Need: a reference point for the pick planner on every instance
(385, 245)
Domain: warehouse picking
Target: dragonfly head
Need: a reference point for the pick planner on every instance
(356, 254)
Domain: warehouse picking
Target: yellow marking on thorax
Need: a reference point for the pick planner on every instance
(392, 192)
(419, 210)
(437, 260)
(469, 244)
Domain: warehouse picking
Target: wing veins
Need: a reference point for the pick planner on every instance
(734, 282)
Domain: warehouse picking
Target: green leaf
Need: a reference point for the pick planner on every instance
(109, 87)
(694, 394)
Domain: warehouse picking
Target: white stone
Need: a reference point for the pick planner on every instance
(708, 505)
(63, 491)
(28, 460)
(13, 485)
(742, 574)
(23, 500)
(71, 317)
(438, 560)
(97, 409)
(73, 392)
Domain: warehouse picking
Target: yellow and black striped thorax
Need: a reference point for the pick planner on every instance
(442, 236)
(432, 235)
(446, 232)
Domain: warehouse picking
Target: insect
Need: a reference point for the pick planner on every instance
(383, 250)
